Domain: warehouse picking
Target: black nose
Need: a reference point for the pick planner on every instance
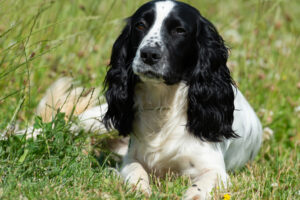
(150, 55)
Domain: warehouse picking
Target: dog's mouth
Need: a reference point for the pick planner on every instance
(151, 74)
(148, 73)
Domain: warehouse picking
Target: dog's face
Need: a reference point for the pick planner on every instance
(168, 42)
(164, 33)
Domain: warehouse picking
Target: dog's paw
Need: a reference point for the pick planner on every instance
(196, 193)
(146, 189)
(143, 187)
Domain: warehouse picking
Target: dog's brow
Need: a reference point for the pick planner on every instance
(163, 10)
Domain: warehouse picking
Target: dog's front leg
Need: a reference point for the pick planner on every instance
(135, 174)
(204, 182)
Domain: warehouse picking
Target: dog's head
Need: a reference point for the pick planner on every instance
(170, 42)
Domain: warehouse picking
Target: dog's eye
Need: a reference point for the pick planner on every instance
(179, 31)
(140, 26)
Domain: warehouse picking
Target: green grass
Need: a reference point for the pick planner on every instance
(41, 40)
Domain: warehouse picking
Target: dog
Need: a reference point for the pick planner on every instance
(169, 89)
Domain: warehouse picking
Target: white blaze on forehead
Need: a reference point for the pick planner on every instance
(162, 11)
(154, 36)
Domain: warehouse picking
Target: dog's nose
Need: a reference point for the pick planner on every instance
(150, 55)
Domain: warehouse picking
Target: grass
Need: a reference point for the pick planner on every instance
(41, 40)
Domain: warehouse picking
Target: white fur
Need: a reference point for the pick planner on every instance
(62, 95)
(160, 141)
(248, 127)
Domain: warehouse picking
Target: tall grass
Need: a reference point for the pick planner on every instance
(41, 40)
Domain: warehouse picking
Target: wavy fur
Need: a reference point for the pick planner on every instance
(119, 84)
(210, 97)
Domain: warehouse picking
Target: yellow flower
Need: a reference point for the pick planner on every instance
(226, 197)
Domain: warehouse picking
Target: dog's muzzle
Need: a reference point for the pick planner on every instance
(150, 63)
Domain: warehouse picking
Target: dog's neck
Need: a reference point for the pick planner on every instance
(158, 105)
(151, 96)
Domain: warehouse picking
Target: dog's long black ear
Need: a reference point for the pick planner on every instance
(119, 85)
(210, 95)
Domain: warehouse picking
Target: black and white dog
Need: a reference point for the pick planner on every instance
(169, 88)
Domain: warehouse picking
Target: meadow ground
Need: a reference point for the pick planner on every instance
(41, 40)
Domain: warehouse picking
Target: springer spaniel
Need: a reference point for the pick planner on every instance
(169, 88)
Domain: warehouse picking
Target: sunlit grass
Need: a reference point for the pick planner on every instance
(41, 40)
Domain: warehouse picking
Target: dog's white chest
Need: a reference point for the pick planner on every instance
(159, 154)
(159, 126)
